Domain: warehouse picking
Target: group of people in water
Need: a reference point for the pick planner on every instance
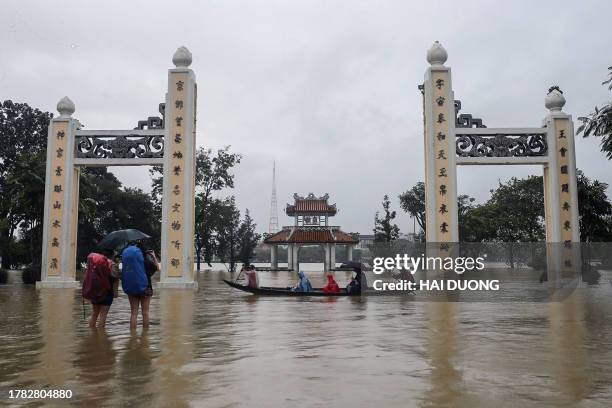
(139, 264)
(357, 285)
(102, 276)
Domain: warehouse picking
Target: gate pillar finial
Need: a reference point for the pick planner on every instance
(437, 55)
(182, 57)
(554, 100)
(65, 107)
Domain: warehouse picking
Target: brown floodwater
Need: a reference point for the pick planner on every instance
(222, 348)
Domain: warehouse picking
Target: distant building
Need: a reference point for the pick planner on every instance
(310, 227)
(365, 240)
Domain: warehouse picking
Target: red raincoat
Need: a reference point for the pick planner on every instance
(332, 285)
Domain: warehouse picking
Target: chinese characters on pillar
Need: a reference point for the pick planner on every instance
(565, 192)
(441, 153)
(175, 172)
(56, 197)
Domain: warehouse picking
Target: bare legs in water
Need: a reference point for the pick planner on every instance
(143, 303)
(99, 311)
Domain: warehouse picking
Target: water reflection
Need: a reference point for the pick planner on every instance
(176, 344)
(95, 359)
(567, 334)
(220, 347)
(445, 380)
(57, 337)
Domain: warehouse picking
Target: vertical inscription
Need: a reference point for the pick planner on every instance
(176, 195)
(441, 129)
(56, 223)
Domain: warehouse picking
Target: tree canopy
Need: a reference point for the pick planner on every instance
(515, 211)
(384, 228)
(599, 122)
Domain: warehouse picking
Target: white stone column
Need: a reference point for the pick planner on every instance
(178, 202)
(289, 256)
(61, 202)
(440, 156)
(274, 257)
(560, 180)
(561, 189)
(332, 257)
(326, 257)
(349, 252)
(296, 261)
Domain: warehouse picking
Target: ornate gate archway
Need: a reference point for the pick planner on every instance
(168, 141)
(453, 139)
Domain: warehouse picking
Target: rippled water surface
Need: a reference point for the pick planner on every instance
(222, 348)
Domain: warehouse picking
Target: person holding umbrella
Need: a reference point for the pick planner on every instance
(138, 267)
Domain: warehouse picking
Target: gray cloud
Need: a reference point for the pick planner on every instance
(327, 89)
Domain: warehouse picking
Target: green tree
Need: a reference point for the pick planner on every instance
(384, 228)
(413, 202)
(599, 122)
(248, 239)
(517, 208)
(595, 210)
(213, 174)
(227, 233)
(106, 206)
(26, 186)
(23, 136)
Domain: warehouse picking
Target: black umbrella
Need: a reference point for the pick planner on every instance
(119, 239)
(352, 264)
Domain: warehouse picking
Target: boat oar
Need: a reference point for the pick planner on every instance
(237, 277)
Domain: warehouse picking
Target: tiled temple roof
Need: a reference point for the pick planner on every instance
(311, 204)
(309, 235)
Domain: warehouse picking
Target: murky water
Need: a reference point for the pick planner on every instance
(221, 348)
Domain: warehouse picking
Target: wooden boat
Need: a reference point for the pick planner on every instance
(265, 290)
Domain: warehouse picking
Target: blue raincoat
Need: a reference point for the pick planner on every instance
(303, 285)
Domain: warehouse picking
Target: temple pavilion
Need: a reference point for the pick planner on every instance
(310, 227)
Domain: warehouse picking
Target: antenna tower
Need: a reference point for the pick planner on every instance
(273, 209)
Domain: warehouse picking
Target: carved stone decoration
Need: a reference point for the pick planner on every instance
(554, 100)
(501, 145)
(154, 122)
(119, 147)
(466, 120)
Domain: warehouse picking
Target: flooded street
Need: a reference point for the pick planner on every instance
(219, 347)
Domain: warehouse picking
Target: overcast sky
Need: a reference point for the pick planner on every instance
(328, 89)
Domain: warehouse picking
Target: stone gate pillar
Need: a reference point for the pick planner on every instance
(560, 183)
(178, 202)
(560, 189)
(58, 263)
(440, 161)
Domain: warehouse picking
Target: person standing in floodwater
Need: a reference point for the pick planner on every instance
(139, 265)
(98, 286)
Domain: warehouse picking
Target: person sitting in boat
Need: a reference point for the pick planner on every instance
(359, 283)
(251, 276)
(303, 285)
(332, 285)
